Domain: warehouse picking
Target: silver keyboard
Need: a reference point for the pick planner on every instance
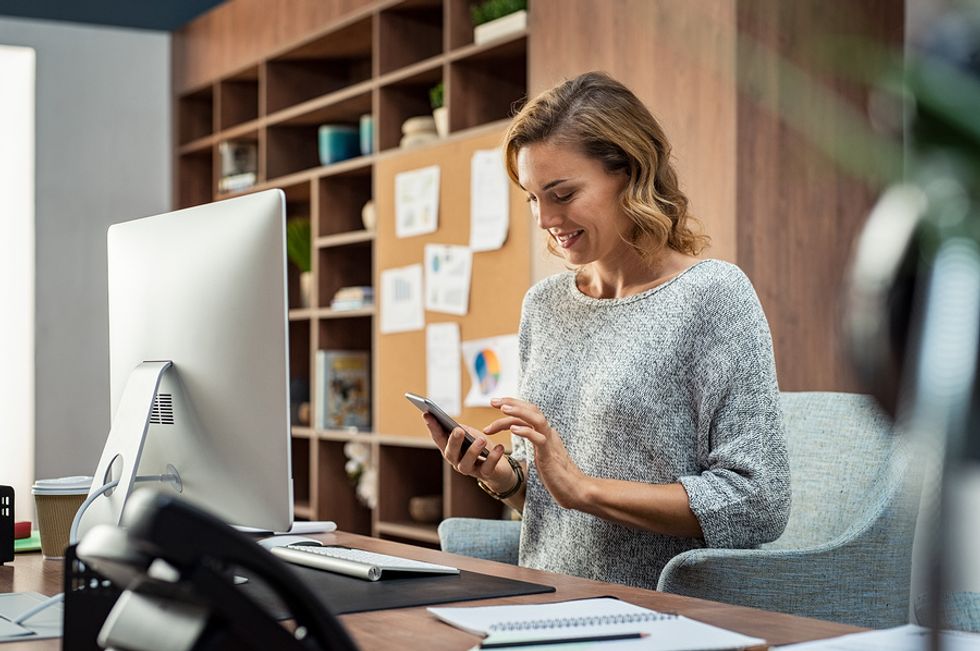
(358, 563)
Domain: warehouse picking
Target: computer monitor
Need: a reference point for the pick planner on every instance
(199, 361)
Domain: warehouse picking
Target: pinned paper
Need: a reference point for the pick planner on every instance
(448, 270)
(494, 368)
(442, 366)
(401, 299)
(489, 200)
(417, 201)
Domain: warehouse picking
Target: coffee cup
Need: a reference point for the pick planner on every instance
(56, 502)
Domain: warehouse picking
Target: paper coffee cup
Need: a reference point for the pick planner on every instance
(57, 501)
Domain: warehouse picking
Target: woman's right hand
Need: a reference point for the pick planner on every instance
(494, 470)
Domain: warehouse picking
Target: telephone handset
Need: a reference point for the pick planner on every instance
(176, 562)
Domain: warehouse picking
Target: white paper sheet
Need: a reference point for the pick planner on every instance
(489, 200)
(401, 299)
(494, 369)
(536, 623)
(901, 638)
(442, 366)
(417, 201)
(448, 270)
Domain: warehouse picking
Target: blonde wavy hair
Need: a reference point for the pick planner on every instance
(604, 120)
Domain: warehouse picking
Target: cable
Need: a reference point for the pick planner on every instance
(73, 538)
(76, 521)
(44, 605)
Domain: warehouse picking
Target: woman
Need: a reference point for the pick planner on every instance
(649, 419)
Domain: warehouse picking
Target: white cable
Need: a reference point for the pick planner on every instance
(73, 538)
(44, 605)
(76, 522)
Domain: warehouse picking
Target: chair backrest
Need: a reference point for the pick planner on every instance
(840, 449)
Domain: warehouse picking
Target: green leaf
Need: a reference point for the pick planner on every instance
(299, 242)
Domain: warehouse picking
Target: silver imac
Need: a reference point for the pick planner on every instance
(199, 362)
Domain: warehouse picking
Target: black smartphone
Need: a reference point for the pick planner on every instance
(448, 424)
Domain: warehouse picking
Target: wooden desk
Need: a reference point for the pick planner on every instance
(411, 628)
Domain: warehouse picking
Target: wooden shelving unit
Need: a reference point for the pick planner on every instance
(381, 61)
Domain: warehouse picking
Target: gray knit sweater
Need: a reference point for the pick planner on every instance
(675, 384)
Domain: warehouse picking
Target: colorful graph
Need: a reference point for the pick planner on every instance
(487, 370)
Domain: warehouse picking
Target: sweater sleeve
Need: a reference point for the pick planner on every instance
(741, 497)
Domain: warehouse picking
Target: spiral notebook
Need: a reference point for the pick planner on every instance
(592, 618)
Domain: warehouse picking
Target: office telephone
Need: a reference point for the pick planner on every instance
(176, 565)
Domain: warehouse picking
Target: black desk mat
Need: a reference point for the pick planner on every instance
(344, 594)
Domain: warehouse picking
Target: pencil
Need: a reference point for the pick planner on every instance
(563, 640)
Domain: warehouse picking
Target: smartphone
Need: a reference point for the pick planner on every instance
(448, 424)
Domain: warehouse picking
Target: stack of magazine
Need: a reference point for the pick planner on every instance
(239, 165)
(353, 298)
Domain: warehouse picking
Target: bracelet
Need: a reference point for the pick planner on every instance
(517, 485)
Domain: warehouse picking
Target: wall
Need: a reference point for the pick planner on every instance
(17, 272)
(103, 156)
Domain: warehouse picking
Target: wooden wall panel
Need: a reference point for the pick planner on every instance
(238, 33)
(500, 278)
(678, 58)
(798, 209)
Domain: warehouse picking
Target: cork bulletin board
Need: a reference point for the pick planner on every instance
(499, 278)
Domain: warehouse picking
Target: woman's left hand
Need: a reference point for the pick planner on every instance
(559, 474)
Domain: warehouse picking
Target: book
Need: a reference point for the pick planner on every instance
(343, 393)
(592, 618)
(239, 164)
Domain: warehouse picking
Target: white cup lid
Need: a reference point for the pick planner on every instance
(76, 485)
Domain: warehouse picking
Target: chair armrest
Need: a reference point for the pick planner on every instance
(493, 540)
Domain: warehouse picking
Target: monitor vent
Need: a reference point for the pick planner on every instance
(163, 410)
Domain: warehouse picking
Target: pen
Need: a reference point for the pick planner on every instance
(563, 640)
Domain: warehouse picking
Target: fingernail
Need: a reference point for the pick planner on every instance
(499, 448)
(507, 408)
(486, 430)
(481, 442)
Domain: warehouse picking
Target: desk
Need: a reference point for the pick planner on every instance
(411, 628)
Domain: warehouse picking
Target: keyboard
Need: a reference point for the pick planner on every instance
(358, 563)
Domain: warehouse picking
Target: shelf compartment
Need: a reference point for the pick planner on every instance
(489, 83)
(299, 355)
(343, 266)
(402, 99)
(300, 450)
(324, 65)
(292, 141)
(196, 178)
(335, 334)
(238, 99)
(342, 197)
(466, 499)
(460, 23)
(195, 113)
(336, 496)
(302, 511)
(411, 32)
(403, 473)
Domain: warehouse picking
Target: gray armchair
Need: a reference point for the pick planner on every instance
(846, 552)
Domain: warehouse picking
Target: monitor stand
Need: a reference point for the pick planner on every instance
(124, 446)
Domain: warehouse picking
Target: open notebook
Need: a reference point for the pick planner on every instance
(589, 618)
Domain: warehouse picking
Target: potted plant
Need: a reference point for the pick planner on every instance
(299, 247)
(496, 18)
(439, 112)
